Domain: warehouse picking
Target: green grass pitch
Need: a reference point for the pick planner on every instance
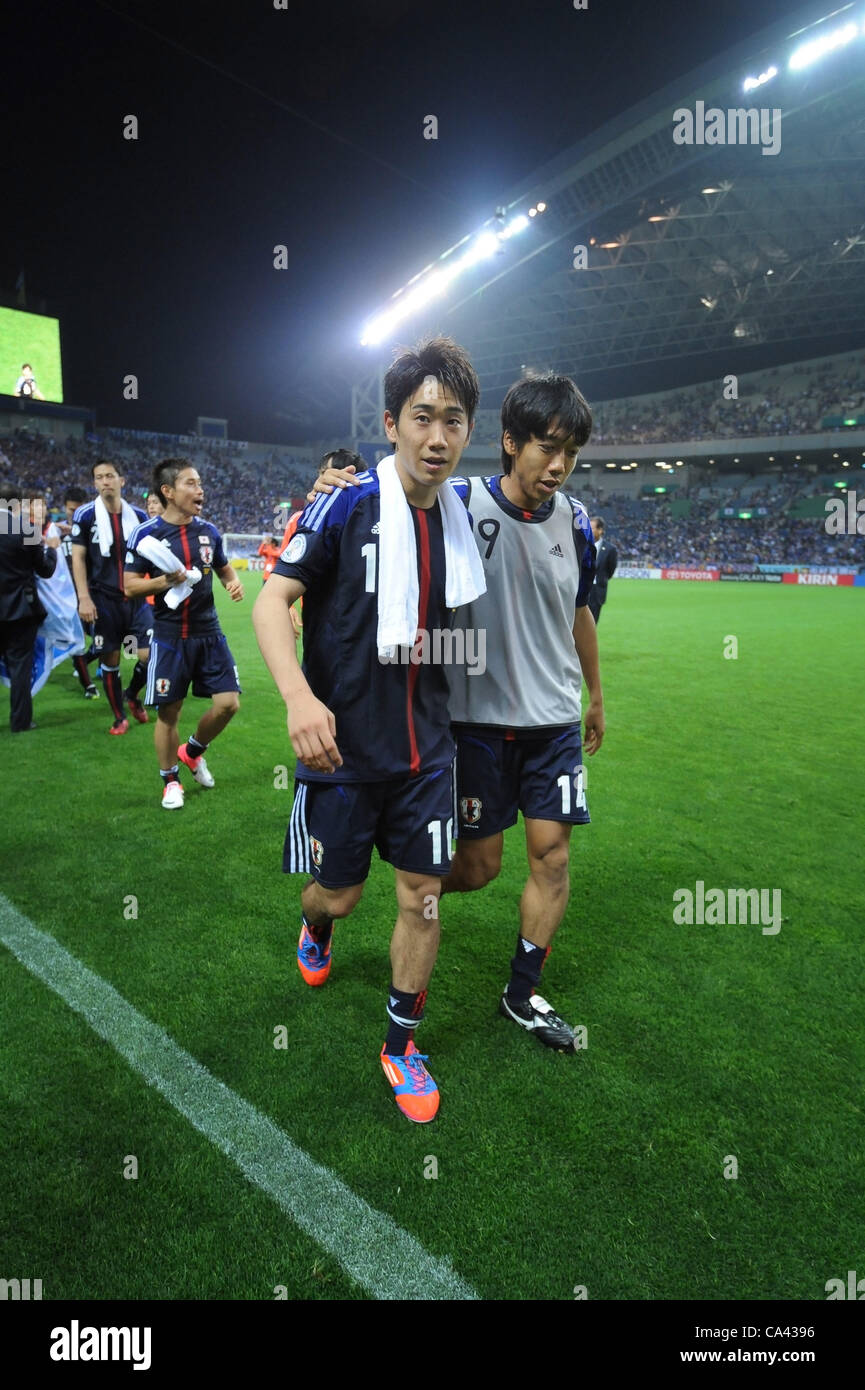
(603, 1170)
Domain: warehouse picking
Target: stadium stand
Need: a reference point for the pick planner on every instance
(697, 526)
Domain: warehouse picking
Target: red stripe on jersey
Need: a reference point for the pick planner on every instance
(187, 560)
(119, 546)
(422, 611)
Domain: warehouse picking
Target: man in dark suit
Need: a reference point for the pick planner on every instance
(22, 558)
(605, 568)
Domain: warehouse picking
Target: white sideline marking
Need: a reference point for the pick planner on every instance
(383, 1258)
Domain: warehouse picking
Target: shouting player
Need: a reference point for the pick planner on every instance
(370, 730)
(189, 646)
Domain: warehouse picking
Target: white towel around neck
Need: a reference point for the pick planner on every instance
(128, 520)
(397, 552)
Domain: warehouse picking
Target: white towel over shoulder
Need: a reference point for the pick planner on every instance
(397, 549)
(164, 558)
(128, 520)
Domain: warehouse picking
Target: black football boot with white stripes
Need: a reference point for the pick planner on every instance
(539, 1018)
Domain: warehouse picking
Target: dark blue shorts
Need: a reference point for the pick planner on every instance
(144, 625)
(497, 777)
(118, 618)
(175, 662)
(334, 826)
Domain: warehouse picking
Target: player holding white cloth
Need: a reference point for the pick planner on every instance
(188, 643)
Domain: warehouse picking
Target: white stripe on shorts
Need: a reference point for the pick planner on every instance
(149, 691)
(299, 856)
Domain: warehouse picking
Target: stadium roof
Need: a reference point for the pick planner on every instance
(691, 249)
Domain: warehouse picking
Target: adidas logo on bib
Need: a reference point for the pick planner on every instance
(557, 550)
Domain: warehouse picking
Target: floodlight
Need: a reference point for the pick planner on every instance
(815, 49)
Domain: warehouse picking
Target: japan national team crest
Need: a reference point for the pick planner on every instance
(317, 851)
(205, 550)
(470, 809)
(163, 686)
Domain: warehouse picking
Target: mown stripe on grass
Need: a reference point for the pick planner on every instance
(384, 1259)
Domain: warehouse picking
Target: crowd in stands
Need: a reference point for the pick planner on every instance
(245, 493)
(704, 541)
(782, 401)
(239, 495)
(645, 532)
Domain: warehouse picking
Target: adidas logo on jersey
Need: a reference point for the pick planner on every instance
(375, 530)
(557, 550)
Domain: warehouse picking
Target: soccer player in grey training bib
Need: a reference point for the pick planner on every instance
(517, 725)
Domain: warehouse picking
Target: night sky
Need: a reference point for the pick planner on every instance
(304, 127)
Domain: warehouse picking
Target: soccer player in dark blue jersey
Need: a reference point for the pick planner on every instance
(76, 497)
(189, 646)
(372, 735)
(99, 533)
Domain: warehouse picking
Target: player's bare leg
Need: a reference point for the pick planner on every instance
(415, 941)
(475, 864)
(545, 896)
(542, 907)
(413, 950)
(165, 734)
(223, 708)
(322, 904)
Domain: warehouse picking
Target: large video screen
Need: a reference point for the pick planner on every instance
(34, 340)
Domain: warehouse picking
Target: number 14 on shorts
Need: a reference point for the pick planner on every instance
(564, 783)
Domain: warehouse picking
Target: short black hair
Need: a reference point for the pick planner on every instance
(27, 365)
(166, 473)
(75, 494)
(599, 522)
(441, 358)
(105, 463)
(341, 458)
(535, 403)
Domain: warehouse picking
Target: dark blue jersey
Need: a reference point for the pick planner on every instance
(391, 718)
(197, 544)
(104, 572)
